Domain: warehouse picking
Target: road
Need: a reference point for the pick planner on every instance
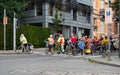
(36, 64)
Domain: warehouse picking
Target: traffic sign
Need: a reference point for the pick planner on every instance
(108, 15)
(5, 20)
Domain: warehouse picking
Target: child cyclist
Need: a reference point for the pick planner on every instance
(51, 43)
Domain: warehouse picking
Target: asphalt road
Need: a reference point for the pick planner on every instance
(36, 64)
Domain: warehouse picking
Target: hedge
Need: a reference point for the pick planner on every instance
(9, 36)
(34, 34)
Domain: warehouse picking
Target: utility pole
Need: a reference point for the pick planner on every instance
(14, 32)
(119, 28)
(109, 29)
(4, 22)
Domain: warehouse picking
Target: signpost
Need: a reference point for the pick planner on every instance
(5, 22)
(108, 20)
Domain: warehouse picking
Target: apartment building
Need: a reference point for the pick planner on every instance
(98, 23)
(76, 14)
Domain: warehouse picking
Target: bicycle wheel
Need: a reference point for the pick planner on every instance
(46, 51)
(19, 49)
(67, 50)
(74, 52)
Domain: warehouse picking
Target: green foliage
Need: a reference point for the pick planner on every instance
(92, 60)
(12, 6)
(57, 20)
(9, 36)
(115, 7)
(34, 34)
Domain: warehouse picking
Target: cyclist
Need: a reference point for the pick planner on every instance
(104, 44)
(23, 40)
(81, 45)
(73, 39)
(61, 41)
(51, 43)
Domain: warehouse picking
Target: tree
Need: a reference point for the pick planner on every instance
(115, 7)
(57, 20)
(12, 6)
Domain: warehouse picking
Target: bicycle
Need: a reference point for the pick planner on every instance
(61, 49)
(71, 48)
(27, 48)
(47, 50)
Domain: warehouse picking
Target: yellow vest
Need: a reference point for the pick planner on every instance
(62, 40)
(23, 41)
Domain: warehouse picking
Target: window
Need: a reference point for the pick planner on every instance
(102, 4)
(94, 4)
(101, 27)
(82, 10)
(31, 5)
(68, 6)
(39, 8)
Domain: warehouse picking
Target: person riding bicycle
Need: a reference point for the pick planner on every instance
(61, 41)
(23, 40)
(51, 43)
(73, 40)
(104, 43)
(81, 45)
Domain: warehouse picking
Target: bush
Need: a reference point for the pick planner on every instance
(9, 36)
(34, 34)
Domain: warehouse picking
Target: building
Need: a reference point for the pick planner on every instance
(98, 19)
(76, 14)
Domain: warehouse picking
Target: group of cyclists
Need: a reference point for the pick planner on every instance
(81, 44)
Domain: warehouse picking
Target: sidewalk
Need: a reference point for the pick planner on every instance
(37, 50)
(115, 60)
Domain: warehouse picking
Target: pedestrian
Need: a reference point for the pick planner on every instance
(116, 42)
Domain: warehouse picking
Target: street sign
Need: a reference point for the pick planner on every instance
(5, 20)
(108, 15)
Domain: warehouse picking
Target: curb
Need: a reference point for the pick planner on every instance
(104, 63)
(8, 53)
